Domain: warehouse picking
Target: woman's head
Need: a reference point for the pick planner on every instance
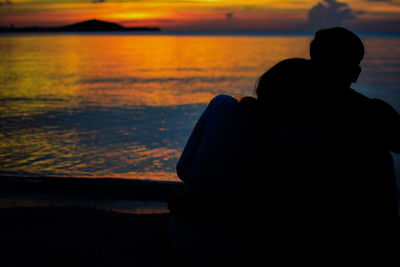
(286, 82)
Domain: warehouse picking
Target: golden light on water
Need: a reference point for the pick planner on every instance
(136, 70)
(123, 106)
(83, 102)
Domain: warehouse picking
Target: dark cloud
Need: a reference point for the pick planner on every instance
(390, 2)
(98, 1)
(5, 2)
(229, 15)
(380, 25)
(329, 13)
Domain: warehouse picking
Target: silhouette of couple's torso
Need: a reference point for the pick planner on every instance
(309, 159)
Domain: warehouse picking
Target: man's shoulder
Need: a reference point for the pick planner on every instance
(381, 107)
(357, 97)
(374, 104)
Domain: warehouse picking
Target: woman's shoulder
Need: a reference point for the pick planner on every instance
(224, 99)
(246, 105)
(222, 107)
(223, 103)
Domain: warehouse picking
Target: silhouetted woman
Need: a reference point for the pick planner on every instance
(231, 170)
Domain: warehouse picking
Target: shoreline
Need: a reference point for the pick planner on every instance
(116, 194)
(91, 187)
(108, 194)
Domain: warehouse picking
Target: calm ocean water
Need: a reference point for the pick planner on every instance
(123, 105)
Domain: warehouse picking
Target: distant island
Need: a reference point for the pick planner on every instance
(93, 25)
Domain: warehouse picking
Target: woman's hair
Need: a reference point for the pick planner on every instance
(285, 81)
(284, 84)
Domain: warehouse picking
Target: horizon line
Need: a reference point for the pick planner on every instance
(201, 33)
(162, 31)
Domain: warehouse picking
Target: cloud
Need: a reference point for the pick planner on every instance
(98, 1)
(329, 13)
(229, 15)
(5, 2)
(390, 2)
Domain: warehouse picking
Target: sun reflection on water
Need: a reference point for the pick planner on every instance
(123, 106)
(135, 70)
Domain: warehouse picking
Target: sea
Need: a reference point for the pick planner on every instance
(123, 105)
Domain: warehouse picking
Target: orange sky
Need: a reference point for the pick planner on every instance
(207, 15)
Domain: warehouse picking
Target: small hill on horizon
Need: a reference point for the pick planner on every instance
(92, 25)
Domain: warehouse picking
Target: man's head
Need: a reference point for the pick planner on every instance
(336, 54)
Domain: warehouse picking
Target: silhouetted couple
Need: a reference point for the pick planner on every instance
(301, 174)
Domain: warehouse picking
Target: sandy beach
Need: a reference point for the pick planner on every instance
(72, 236)
(86, 222)
(83, 222)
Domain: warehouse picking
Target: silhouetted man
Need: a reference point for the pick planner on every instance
(356, 180)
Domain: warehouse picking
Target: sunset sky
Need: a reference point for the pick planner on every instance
(209, 15)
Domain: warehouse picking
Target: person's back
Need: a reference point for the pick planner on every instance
(288, 132)
(209, 225)
(288, 138)
(217, 155)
